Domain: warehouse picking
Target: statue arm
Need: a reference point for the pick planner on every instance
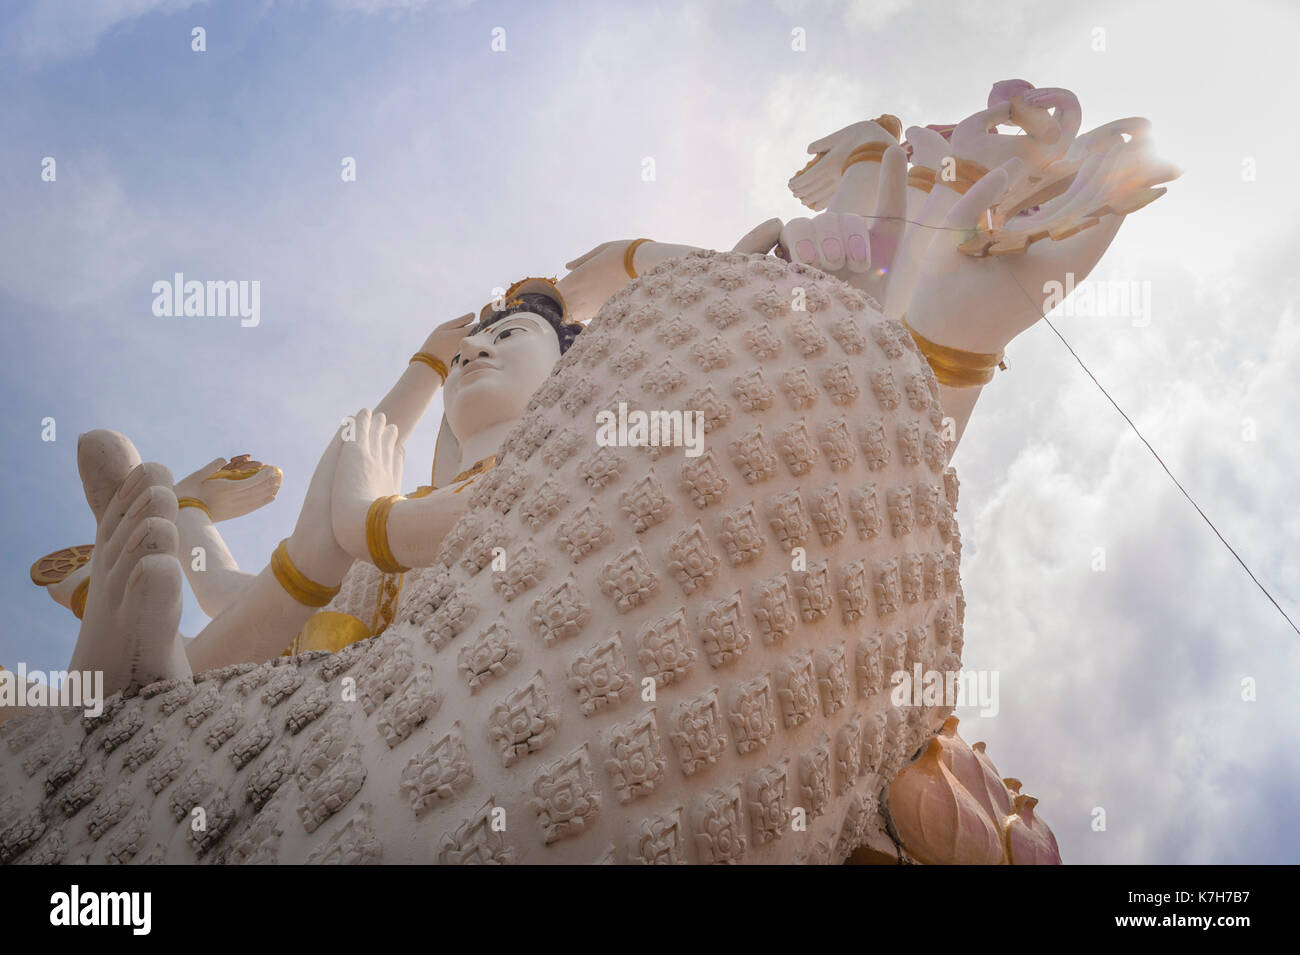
(210, 568)
(597, 275)
(408, 399)
(416, 527)
(268, 614)
(594, 277)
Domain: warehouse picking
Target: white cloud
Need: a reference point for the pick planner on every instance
(48, 32)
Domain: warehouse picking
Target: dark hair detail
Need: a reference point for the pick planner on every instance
(541, 305)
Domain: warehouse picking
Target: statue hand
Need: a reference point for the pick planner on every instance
(981, 303)
(761, 238)
(1047, 136)
(815, 184)
(593, 277)
(226, 499)
(444, 341)
(369, 466)
(312, 545)
(844, 244)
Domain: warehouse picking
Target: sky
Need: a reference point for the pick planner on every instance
(1121, 689)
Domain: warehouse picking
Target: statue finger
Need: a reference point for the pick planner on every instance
(797, 240)
(761, 238)
(891, 208)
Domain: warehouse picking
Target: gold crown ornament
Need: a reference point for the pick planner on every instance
(529, 286)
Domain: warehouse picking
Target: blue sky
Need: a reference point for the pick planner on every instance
(1119, 689)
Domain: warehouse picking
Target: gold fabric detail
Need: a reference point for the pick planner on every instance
(390, 588)
(295, 583)
(329, 630)
(79, 598)
(954, 367)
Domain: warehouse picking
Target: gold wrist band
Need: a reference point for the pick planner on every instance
(968, 173)
(867, 152)
(920, 177)
(295, 583)
(377, 535)
(434, 363)
(627, 257)
(79, 598)
(193, 502)
(954, 367)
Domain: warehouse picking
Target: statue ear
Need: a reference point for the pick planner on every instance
(446, 455)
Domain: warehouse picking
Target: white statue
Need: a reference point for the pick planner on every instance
(597, 639)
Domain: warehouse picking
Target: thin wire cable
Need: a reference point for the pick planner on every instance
(1115, 404)
(1155, 454)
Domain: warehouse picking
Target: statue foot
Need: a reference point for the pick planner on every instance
(133, 606)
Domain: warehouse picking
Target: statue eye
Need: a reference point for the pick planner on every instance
(506, 332)
(455, 359)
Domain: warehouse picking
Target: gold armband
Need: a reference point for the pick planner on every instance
(867, 152)
(381, 555)
(79, 598)
(297, 584)
(965, 174)
(954, 367)
(920, 177)
(627, 257)
(193, 502)
(434, 363)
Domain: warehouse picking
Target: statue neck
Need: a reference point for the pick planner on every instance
(483, 443)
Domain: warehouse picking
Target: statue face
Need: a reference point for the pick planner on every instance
(497, 370)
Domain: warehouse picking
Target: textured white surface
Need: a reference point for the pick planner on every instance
(514, 696)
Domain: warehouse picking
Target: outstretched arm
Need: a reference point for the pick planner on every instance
(594, 277)
(214, 493)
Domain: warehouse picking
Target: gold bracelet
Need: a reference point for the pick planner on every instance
(967, 174)
(297, 584)
(627, 257)
(867, 152)
(952, 366)
(920, 177)
(79, 598)
(434, 363)
(193, 502)
(381, 555)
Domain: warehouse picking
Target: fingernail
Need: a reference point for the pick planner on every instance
(137, 538)
(857, 248)
(132, 481)
(806, 250)
(833, 249)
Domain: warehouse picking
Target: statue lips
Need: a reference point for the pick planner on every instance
(476, 366)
